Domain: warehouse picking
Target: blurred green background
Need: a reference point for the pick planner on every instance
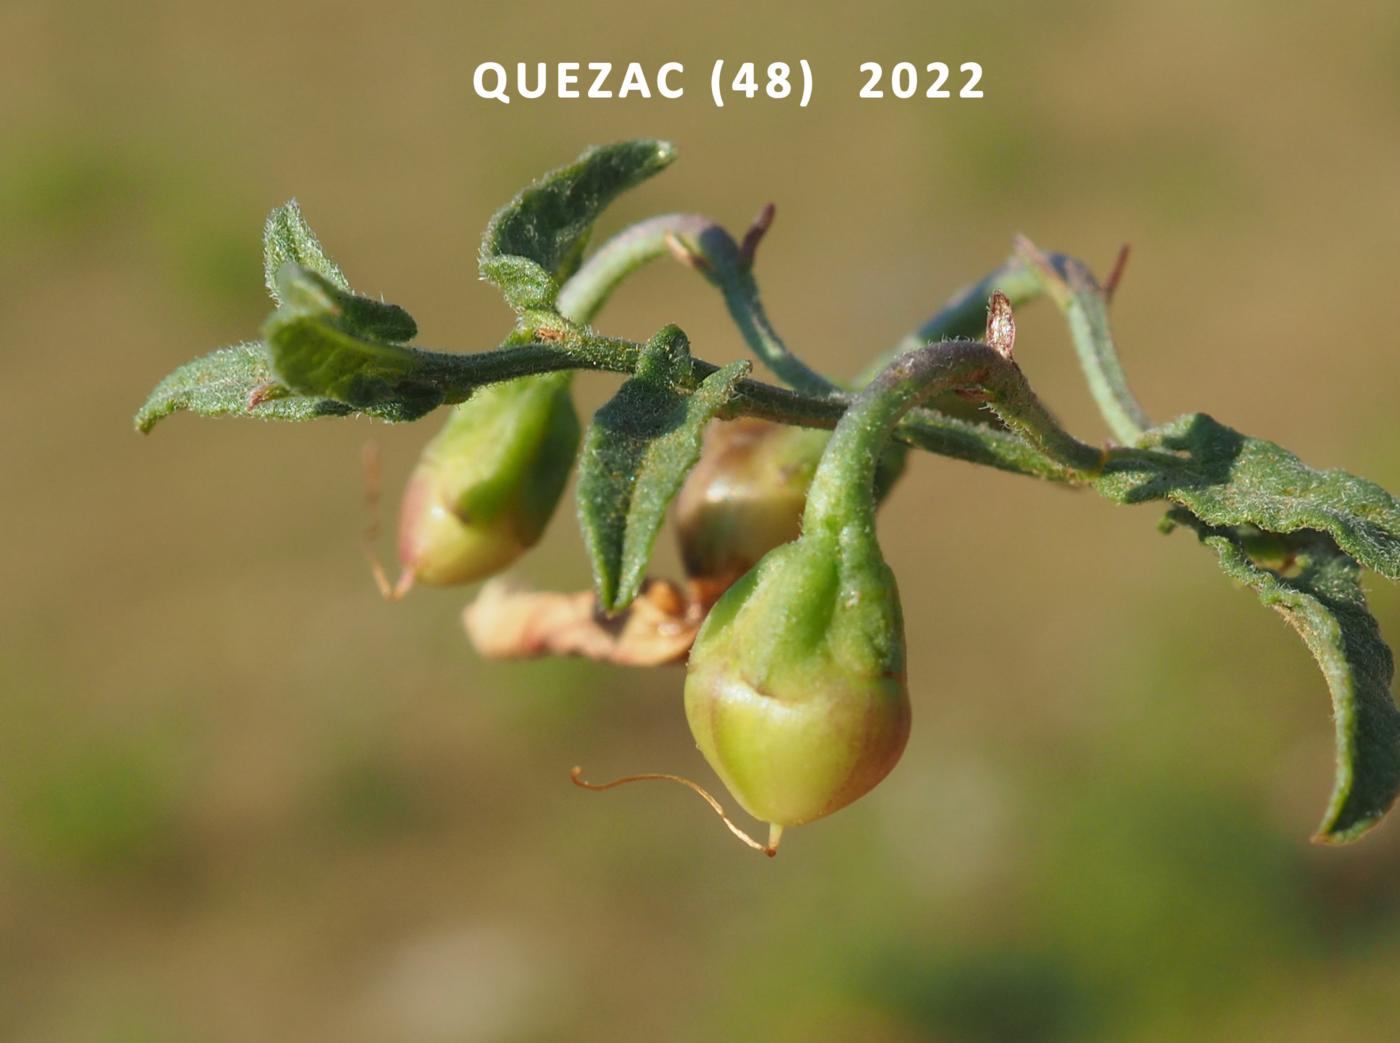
(242, 798)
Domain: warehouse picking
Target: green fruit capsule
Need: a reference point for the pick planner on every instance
(747, 495)
(744, 498)
(796, 691)
(488, 483)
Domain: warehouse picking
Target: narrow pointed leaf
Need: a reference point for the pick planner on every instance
(287, 238)
(318, 349)
(1317, 588)
(535, 241)
(304, 289)
(1226, 478)
(233, 381)
(636, 454)
(314, 357)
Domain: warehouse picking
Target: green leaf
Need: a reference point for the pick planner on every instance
(1317, 588)
(304, 289)
(636, 454)
(242, 381)
(537, 239)
(1226, 478)
(287, 238)
(318, 348)
(525, 285)
(235, 381)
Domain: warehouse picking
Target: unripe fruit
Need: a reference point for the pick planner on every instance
(796, 691)
(487, 484)
(746, 497)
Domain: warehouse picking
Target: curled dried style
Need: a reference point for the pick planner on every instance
(796, 686)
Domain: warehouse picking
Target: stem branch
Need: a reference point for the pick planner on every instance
(841, 488)
(1085, 307)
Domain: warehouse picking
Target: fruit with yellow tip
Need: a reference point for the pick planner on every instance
(486, 486)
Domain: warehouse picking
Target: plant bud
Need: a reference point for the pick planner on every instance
(747, 494)
(487, 484)
(796, 690)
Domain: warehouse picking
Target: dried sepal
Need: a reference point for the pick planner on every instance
(756, 231)
(1001, 325)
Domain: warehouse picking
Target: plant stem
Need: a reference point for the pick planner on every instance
(713, 252)
(965, 313)
(841, 491)
(456, 375)
(746, 309)
(1093, 340)
(1085, 306)
(583, 296)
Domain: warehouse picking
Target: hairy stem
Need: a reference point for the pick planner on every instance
(965, 313)
(1085, 306)
(841, 488)
(713, 253)
(583, 296)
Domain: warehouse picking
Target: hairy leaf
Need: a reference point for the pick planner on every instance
(235, 381)
(636, 454)
(318, 347)
(304, 289)
(1226, 478)
(287, 238)
(240, 381)
(1317, 588)
(537, 239)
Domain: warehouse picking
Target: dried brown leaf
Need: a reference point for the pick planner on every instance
(507, 621)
